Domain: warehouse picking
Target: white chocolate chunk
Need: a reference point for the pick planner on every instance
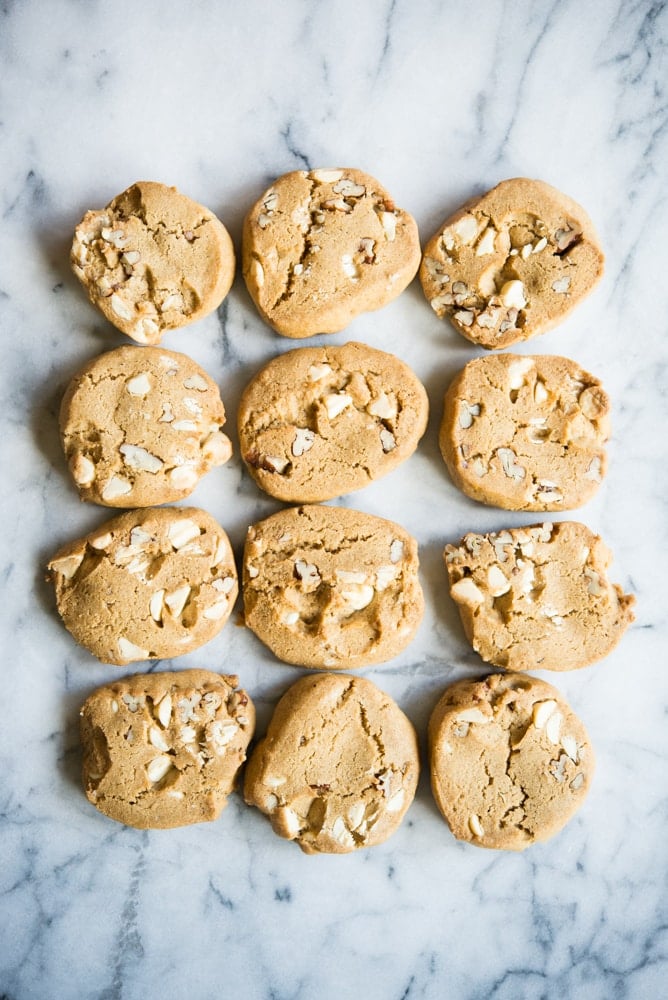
(512, 294)
(176, 601)
(68, 565)
(140, 459)
(183, 531)
(542, 710)
(467, 592)
(129, 651)
(336, 403)
(116, 487)
(157, 768)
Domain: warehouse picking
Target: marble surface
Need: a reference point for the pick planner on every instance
(439, 100)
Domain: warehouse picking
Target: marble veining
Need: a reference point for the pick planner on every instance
(439, 100)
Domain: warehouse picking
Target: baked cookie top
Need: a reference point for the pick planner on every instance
(318, 422)
(320, 247)
(538, 597)
(331, 587)
(153, 260)
(140, 426)
(338, 767)
(148, 584)
(525, 433)
(163, 750)
(510, 761)
(511, 264)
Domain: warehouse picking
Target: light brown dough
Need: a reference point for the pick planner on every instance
(510, 762)
(153, 260)
(318, 422)
(148, 584)
(321, 247)
(338, 767)
(164, 750)
(525, 433)
(538, 597)
(331, 587)
(511, 264)
(141, 426)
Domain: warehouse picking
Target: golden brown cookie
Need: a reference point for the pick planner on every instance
(525, 433)
(164, 750)
(321, 247)
(538, 597)
(148, 584)
(510, 762)
(338, 767)
(331, 587)
(141, 426)
(153, 260)
(318, 422)
(511, 264)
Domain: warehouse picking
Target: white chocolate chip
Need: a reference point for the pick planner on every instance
(577, 782)
(140, 385)
(350, 269)
(387, 440)
(382, 406)
(569, 743)
(272, 463)
(384, 577)
(561, 286)
(258, 273)
(540, 245)
(156, 738)
(486, 242)
(216, 611)
(396, 550)
(318, 372)
(540, 393)
(497, 582)
(176, 601)
(140, 459)
(307, 572)
(396, 803)
(164, 708)
(182, 531)
(155, 605)
(594, 470)
(252, 571)
(475, 826)
(341, 833)
(129, 651)
(512, 295)
(542, 710)
(120, 307)
(167, 414)
(473, 715)
(67, 565)
(289, 617)
(357, 595)
(518, 371)
(101, 541)
(465, 591)
(388, 221)
(336, 403)
(82, 469)
(326, 176)
(217, 448)
(466, 228)
(195, 382)
(553, 727)
(185, 425)
(157, 768)
(183, 477)
(594, 582)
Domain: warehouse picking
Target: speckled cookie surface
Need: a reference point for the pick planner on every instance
(321, 247)
(338, 767)
(331, 587)
(140, 426)
(525, 433)
(318, 422)
(511, 264)
(148, 584)
(538, 597)
(163, 750)
(510, 762)
(153, 260)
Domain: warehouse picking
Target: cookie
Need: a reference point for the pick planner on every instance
(538, 597)
(331, 587)
(318, 422)
(510, 762)
(320, 248)
(525, 433)
(153, 260)
(164, 750)
(511, 264)
(338, 767)
(141, 426)
(146, 585)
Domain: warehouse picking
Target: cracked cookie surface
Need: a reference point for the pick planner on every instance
(318, 422)
(163, 750)
(320, 247)
(140, 426)
(331, 587)
(511, 264)
(538, 597)
(338, 767)
(153, 260)
(148, 584)
(525, 433)
(510, 761)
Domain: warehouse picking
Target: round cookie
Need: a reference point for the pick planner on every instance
(338, 767)
(511, 264)
(319, 248)
(318, 422)
(153, 260)
(148, 584)
(331, 587)
(525, 433)
(538, 597)
(164, 750)
(140, 426)
(510, 762)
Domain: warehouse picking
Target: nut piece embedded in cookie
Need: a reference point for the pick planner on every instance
(140, 426)
(164, 750)
(318, 422)
(148, 584)
(331, 587)
(338, 767)
(511, 264)
(321, 247)
(510, 762)
(538, 597)
(525, 432)
(153, 260)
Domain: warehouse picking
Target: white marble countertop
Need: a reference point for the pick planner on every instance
(439, 100)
